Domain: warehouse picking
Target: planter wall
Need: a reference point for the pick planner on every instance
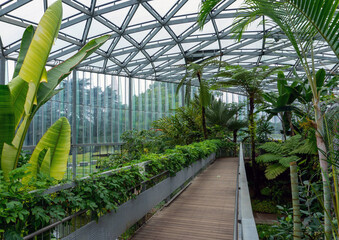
(112, 225)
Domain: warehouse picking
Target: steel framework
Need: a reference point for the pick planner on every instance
(152, 39)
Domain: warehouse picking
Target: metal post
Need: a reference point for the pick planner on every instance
(2, 65)
(130, 112)
(183, 95)
(74, 124)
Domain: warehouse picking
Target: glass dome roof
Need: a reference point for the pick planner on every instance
(153, 39)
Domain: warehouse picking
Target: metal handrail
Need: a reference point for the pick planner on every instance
(247, 229)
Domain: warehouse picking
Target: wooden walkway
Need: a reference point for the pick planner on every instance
(205, 210)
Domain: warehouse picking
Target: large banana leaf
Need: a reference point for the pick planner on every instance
(57, 139)
(7, 127)
(58, 73)
(9, 153)
(25, 42)
(37, 54)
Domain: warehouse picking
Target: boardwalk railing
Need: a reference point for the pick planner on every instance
(244, 227)
(112, 225)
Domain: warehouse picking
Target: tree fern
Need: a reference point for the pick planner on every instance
(285, 161)
(268, 157)
(274, 170)
(272, 147)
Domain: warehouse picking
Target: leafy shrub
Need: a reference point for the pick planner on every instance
(264, 206)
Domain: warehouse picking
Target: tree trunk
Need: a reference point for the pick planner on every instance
(297, 233)
(252, 128)
(283, 125)
(324, 169)
(204, 121)
(235, 141)
(289, 117)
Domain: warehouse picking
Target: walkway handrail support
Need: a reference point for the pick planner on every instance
(246, 225)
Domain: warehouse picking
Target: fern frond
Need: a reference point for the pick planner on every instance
(309, 147)
(274, 170)
(291, 144)
(287, 160)
(272, 147)
(268, 157)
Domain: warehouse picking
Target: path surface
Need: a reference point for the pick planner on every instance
(205, 210)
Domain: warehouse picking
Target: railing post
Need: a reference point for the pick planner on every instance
(74, 124)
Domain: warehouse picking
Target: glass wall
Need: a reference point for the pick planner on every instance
(105, 107)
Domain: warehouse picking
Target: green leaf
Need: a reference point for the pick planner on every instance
(7, 127)
(43, 39)
(25, 42)
(57, 139)
(19, 90)
(8, 159)
(61, 71)
(287, 160)
(320, 77)
(274, 170)
(45, 164)
(268, 157)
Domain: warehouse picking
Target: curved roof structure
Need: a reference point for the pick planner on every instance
(153, 39)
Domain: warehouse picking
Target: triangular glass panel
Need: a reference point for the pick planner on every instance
(122, 58)
(123, 43)
(98, 64)
(97, 29)
(118, 16)
(106, 45)
(178, 29)
(139, 56)
(208, 29)
(59, 44)
(75, 30)
(64, 57)
(152, 51)
(31, 11)
(212, 46)
(68, 11)
(191, 6)
(140, 36)
(6, 38)
(161, 7)
(161, 35)
(140, 16)
(223, 23)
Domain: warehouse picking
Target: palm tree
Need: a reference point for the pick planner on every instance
(195, 70)
(252, 83)
(302, 21)
(226, 116)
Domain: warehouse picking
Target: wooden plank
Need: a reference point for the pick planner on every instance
(204, 211)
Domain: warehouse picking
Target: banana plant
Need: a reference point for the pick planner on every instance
(30, 88)
(281, 104)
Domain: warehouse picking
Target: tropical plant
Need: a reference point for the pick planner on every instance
(195, 71)
(30, 88)
(303, 22)
(280, 157)
(281, 104)
(225, 116)
(184, 127)
(264, 129)
(252, 83)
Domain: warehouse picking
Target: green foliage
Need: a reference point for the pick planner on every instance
(23, 212)
(278, 156)
(264, 206)
(182, 128)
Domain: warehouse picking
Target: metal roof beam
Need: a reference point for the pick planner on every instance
(13, 6)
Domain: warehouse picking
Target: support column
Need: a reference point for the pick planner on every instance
(130, 97)
(74, 124)
(2, 65)
(183, 95)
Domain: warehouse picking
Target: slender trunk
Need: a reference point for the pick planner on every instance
(203, 115)
(297, 233)
(252, 137)
(204, 122)
(235, 141)
(289, 117)
(324, 169)
(283, 125)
